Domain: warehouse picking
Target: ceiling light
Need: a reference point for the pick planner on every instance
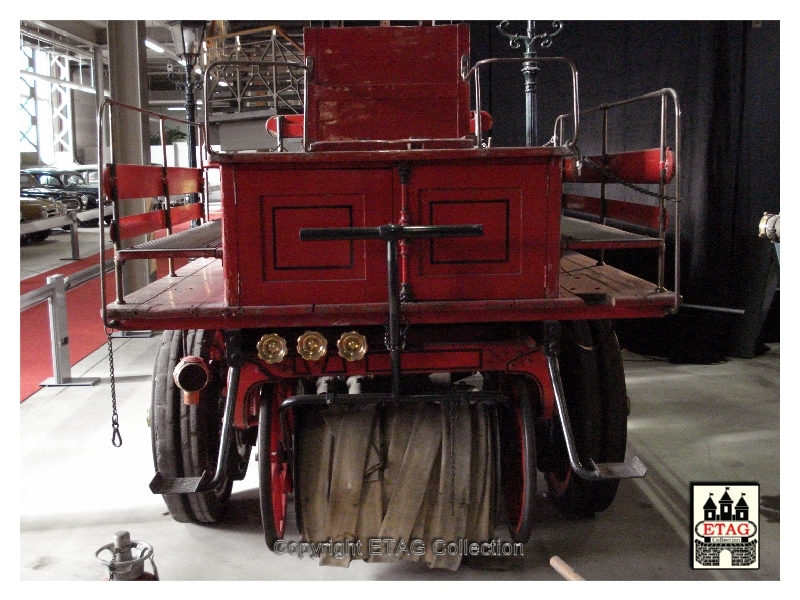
(153, 46)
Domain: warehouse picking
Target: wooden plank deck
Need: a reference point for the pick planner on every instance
(194, 298)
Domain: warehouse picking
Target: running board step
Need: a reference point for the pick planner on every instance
(179, 485)
(632, 467)
(595, 472)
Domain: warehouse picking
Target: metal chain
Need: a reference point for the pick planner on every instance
(111, 566)
(577, 154)
(403, 335)
(116, 437)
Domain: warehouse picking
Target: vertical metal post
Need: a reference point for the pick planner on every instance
(394, 314)
(603, 202)
(478, 116)
(530, 73)
(73, 238)
(530, 70)
(59, 336)
(662, 230)
(404, 170)
(274, 70)
(279, 133)
(191, 113)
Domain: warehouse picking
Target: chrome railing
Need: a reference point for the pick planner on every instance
(212, 78)
(55, 293)
(665, 95)
(476, 72)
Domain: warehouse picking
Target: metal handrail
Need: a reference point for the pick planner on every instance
(108, 103)
(70, 220)
(662, 94)
(41, 294)
(307, 67)
(55, 292)
(476, 70)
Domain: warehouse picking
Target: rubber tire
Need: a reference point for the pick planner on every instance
(39, 236)
(594, 386)
(186, 438)
(294, 462)
(581, 380)
(518, 458)
(165, 430)
(614, 409)
(268, 446)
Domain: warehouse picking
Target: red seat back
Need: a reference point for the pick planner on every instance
(386, 83)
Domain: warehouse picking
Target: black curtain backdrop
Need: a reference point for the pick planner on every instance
(726, 74)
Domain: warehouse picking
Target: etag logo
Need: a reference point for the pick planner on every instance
(725, 532)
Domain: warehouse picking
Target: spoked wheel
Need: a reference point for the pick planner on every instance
(185, 438)
(594, 388)
(273, 467)
(518, 458)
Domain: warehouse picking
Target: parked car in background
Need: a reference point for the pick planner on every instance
(90, 174)
(34, 209)
(30, 187)
(80, 181)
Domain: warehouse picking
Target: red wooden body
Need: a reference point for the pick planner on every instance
(388, 140)
(373, 94)
(514, 193)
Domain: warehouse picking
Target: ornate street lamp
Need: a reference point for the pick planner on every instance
(530, 71)
(188, 38)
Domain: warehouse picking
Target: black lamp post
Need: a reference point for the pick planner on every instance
(188, 38)
(530, 71)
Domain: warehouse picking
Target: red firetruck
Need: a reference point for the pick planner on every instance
(408, 322)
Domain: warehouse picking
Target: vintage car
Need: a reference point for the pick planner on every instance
(33, 209)
(30, 187)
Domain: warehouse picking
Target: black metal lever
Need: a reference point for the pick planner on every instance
(391, 234)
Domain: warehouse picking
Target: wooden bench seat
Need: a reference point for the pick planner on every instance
(204, 241)
(580, 229)
(577, 234)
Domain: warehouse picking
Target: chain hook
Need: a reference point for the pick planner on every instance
(116, 437)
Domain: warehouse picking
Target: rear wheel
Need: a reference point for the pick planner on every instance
(273, 466)
(518, 458)
(614, 410)
(186, 438)
(594, 388)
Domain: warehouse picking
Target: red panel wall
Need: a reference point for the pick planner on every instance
(518, 205)
(276, 268)
(517, 249)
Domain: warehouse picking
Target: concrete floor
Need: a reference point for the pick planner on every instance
(688, 423)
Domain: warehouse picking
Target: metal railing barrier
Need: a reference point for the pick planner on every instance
(71, 220)
(55, 292)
